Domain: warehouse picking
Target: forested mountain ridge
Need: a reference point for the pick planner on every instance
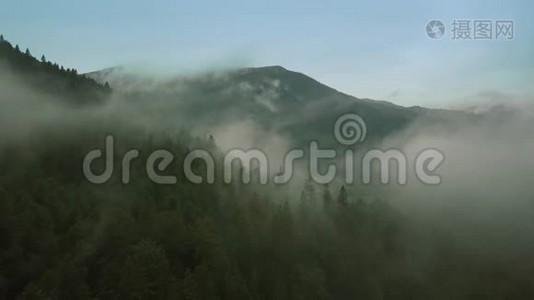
(51, 78)
(273, 97)
(63, 237)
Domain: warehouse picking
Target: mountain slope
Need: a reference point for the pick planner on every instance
(273, 97)
(50, 78)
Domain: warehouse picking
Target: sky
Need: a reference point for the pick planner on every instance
(369, 49)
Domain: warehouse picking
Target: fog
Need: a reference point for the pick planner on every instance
(485, 197)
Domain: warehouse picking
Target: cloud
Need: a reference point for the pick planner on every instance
(486, 191)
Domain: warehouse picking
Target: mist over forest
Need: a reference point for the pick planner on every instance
(63, 237)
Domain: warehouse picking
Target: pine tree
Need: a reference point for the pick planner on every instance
(28, 53)
(327, 196)
(43, 59)
(307, 196)
(2, 38)
(17, 48)
(342, 196)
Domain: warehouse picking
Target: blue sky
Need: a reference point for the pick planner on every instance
(371, 49)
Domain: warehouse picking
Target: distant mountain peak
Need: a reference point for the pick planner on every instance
(274, 68)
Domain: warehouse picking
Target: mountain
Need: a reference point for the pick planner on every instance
(274, 97)
(66, 237)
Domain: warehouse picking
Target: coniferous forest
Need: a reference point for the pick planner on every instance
(63, 237)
